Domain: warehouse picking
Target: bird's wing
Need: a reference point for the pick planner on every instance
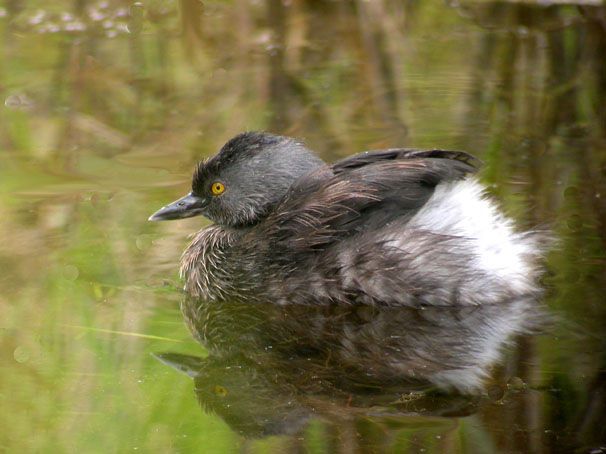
(337, 237)
(395, 154)
(361, 193)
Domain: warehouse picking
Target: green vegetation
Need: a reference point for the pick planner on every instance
(107, 106)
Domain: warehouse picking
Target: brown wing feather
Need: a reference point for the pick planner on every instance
(332, 238)
(360, 193)
(393, 154)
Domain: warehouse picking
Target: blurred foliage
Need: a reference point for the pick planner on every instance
(108, 104)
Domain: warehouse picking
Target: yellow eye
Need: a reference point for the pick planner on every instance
(220, 391)
(217, 188)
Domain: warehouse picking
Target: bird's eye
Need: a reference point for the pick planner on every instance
(220, 391)
(217, 188)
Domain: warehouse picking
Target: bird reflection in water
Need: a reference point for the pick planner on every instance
(273, 368)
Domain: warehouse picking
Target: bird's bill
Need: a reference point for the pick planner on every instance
(186, 207)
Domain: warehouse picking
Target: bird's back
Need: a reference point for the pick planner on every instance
(397, 228)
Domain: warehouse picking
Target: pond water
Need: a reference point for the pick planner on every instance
(108, 106)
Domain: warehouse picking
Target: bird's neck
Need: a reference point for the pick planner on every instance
(205, 263)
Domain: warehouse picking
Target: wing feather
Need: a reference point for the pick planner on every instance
(361, 193)
(337, 236)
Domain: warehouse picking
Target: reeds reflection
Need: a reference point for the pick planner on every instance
(101, 124)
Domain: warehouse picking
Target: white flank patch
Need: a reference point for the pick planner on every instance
(462, 209)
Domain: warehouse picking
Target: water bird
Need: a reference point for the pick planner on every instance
(390, 228)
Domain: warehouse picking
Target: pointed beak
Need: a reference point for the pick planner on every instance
(186, 207)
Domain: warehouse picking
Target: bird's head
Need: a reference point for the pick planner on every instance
(242, 183)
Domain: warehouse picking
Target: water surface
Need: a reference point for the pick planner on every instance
(108, 105)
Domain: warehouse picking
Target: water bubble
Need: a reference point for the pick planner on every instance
(21, 355)
(70, 272)
(12, 101)
(18, 102)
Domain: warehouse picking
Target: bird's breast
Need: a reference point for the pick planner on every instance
(207, 267)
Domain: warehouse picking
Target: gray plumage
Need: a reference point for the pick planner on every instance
(369, 229)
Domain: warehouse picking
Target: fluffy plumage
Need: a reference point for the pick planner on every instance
(390, 227)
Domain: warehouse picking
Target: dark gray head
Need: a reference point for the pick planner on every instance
(240, 184)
